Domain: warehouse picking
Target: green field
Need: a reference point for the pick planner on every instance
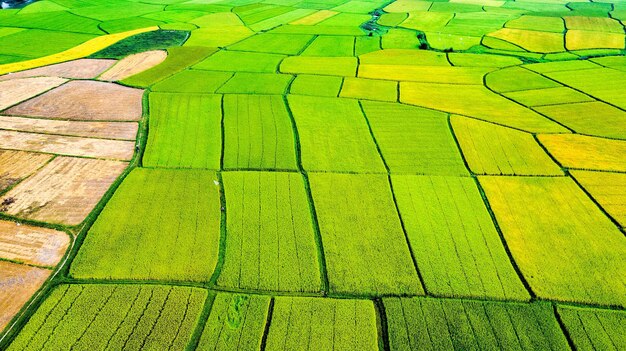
(314, 175)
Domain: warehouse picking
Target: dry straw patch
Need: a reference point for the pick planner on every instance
(64, 191)
(79, 69)
(17, 90)
(32, 245)
(17, 284)
(85, 100)
(133, 64)
(105, 130)
(16, 165)
(67, 145)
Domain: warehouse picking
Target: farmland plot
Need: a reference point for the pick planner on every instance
(590, 153)
(256, 83)
(18, 90)
(270, 242)
(326, 66)
(594, 329)
(609, 189)
(134, 64)
(130, 317)
(334, 135)
(306, 84)
(456, 245)
(78, 69)
(178, 58)
(413, 139)
(17, 165)
(64, 191)
(67, 145)
(193, 81)
(172, 233)
(258, 133)
(32, 245)
(84, 100)
(105, 130)
(594, 83)
(322, 324)
(18, 283)
(496, 150)
(477, 102)
(594, 118)
(236, 322)
(589, 266)
(185, 131)
(364, 245)
(287, 44)
(426, 323)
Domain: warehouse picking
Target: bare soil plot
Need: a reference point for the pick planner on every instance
(84, 100)
(133, 64)
(67, 145)
(609, 189)
(17, 284)
(17, 90)
(105, 130)
(64, 191)
(16, 165)
(585, 152)
(32, 245)
(78, 69)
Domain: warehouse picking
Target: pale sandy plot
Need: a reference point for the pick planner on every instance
(67, 145)
(134, 64)
(78, 69)
(32, 245)
(84, 100)
(64, 191)
(16, 165)
(106, 130)
(17, 284)
(17, 90)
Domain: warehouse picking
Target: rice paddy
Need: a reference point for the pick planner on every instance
(313, 175)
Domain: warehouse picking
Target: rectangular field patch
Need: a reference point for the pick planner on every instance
(322, 324)
(172, 232)
(334, 135)
(456, 246)
(539, 214)
(17, 165)
(63, 191)
(185, 131)
(365, 248)
(270, 242)
(433, 324)
(133, 317)
(258, 133)
(414, 140)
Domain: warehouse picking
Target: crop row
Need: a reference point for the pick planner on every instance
(160, 317)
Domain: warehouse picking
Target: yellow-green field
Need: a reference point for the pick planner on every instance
(313, 175)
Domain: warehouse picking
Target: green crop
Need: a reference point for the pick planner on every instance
(258, 133)
(116, 317)
(322, 324)
(456, 246)
(334, 135)
(594, 329)
(270, 242)
(414, 140)
(361, 231)
(178, 58)
(185, 131)
(431, 324)
(236, 322)
(172, 232)
(160, 39)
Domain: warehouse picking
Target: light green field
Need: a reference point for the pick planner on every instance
(171, 234)
(314, 175)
